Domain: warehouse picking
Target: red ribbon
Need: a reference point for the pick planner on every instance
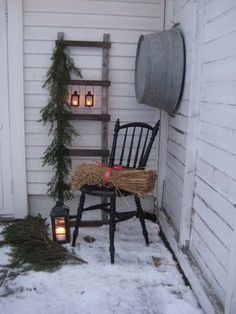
(107, 174)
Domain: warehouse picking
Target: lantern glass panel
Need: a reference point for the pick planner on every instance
(60, 224)
(75, 100)
(89, 100)
(60, 228)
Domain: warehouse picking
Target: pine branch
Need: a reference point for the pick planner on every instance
(31, 245)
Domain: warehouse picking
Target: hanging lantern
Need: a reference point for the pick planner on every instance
(75, 99)
(60, 223)
(89, 100)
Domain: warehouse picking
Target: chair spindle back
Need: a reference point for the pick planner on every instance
(132, 143)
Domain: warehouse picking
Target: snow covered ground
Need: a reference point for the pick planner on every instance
(133, 285)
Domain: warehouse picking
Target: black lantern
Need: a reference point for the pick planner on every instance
(89, 100)
(74, 102)
(60, 223)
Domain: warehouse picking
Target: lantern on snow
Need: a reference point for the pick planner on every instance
(60, 223)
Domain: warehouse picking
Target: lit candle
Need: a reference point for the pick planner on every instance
(60, 233)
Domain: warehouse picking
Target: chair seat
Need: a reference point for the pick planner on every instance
(103, 191)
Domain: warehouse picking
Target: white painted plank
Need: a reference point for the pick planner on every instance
(16, 105)
(82, 21)
(175, 180)
(172, 208)
(223, 138)
(220, 70)
(220, 251)
(121, 103)
(205, 293)
(49, 33)
(117, 89)
(83, 62)
(179, 5)
(115, 76)
(184, 17)
(215, 156)
(219, 92)
(208, 255)
(206, 261)
(33, 114)
(221, 26)
(215, 223)
(177, 136)
(198, 17)
(216, 8)
(46, 47)
(217, 179)
(219, 114)
(222, 48)
(6, 197)
(96, 7)
(220, 205)
(37, 189)
(177, 151)
(180, 122)
(173, 163)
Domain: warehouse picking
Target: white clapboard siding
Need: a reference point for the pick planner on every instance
(174, 163)
(71, 20)
(221, 25)
(212, 225)
(221, 206)
(222, 183)
(177, 136)
(125, 21)
(224, 47)
(119, 36)
(102, 8)
(219, 158)
(223, 138)
(219, 70)
(214, 200)
(207, 261)
(221, 252)
(219, 114)
(219, 92)
(216, 8)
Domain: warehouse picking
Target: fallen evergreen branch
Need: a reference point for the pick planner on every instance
(32, 246)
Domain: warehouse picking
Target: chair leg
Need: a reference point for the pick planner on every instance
(112, 229)
(140, 215)
(78, 218)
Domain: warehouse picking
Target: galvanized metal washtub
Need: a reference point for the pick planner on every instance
(159, 69)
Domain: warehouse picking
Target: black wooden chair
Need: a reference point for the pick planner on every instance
(131, 148)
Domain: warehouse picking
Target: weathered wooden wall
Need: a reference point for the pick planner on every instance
(125, 21)
(214, 201)
(200, 172)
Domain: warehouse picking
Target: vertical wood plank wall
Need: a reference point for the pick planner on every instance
(214, 198)
(215, 184)
(125, 21)
(183, 13)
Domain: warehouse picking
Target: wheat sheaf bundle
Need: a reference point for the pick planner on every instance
(135, 181)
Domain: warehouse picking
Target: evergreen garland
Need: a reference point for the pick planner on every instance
(57, 153)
